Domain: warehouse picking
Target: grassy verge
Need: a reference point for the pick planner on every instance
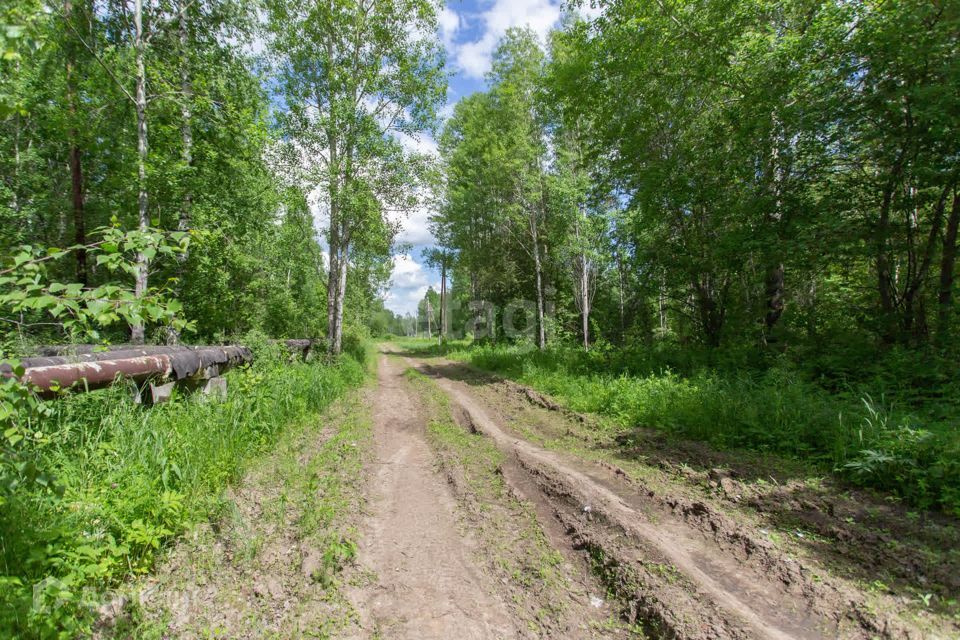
(131, 479)
(776, 409)
(288, 529)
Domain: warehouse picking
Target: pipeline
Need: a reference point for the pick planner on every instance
(302, 348)
(94, 370)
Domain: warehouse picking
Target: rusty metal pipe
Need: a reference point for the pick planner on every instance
(63, 372)
(70, 350)
(97, 356)
(95, 375)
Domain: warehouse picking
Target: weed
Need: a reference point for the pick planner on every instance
(133, 478)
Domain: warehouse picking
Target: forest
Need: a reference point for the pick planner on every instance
(755, 202)
(717, 237)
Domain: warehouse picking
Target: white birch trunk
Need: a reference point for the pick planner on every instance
(143, 213)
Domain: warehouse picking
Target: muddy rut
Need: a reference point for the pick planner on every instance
(679, 567)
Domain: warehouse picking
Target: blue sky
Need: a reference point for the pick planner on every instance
(469, 30)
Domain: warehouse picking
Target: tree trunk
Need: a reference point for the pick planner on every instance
(914, 318)
(948, 259)
(17, 126)
(711, 312)
(585, 315)
(662, 305)
(143, 264)
(186, 152)
(333, 279)
(775, 292)
(186, 124)
(341, 293)
(775, 275)
(541, 329)
(582, 286)
(885, 282)
(429, 311)
(441, 334)
(623, 324)
(76, 170)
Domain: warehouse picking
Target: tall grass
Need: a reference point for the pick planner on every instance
(776, 408)
(132, 478)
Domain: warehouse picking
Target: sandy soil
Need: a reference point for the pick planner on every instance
(427, 582)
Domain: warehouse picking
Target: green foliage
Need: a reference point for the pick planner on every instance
(79, 311)
(919, 464)
(22, 420)
(756, 202)
(343, 108)
(777, 409)
(131, 479)
(254, 259)
(759, 173)
(18, 40)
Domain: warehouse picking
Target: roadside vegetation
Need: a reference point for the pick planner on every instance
(153, 190)
(284, 533)
(127, 479)
(857, 432)
(733, 222)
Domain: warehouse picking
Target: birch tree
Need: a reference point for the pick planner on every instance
(354, 74)
(517, 72)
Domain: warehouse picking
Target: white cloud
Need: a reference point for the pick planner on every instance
(407, 273)
(449, 23)
(418, 143)
(409, 283)
(589, 10)
(474, 58)
(416, 228)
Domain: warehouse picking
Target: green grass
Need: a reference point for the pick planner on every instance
(305, 495)
(776, 409)
(132, 479)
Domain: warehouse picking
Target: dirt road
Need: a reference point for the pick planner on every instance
(428, 583)
(684, 562)
(481, 509)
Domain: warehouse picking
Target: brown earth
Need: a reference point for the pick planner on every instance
(427, 582)
(483, 509)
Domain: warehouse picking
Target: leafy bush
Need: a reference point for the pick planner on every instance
(919, 464)
(130, 479)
